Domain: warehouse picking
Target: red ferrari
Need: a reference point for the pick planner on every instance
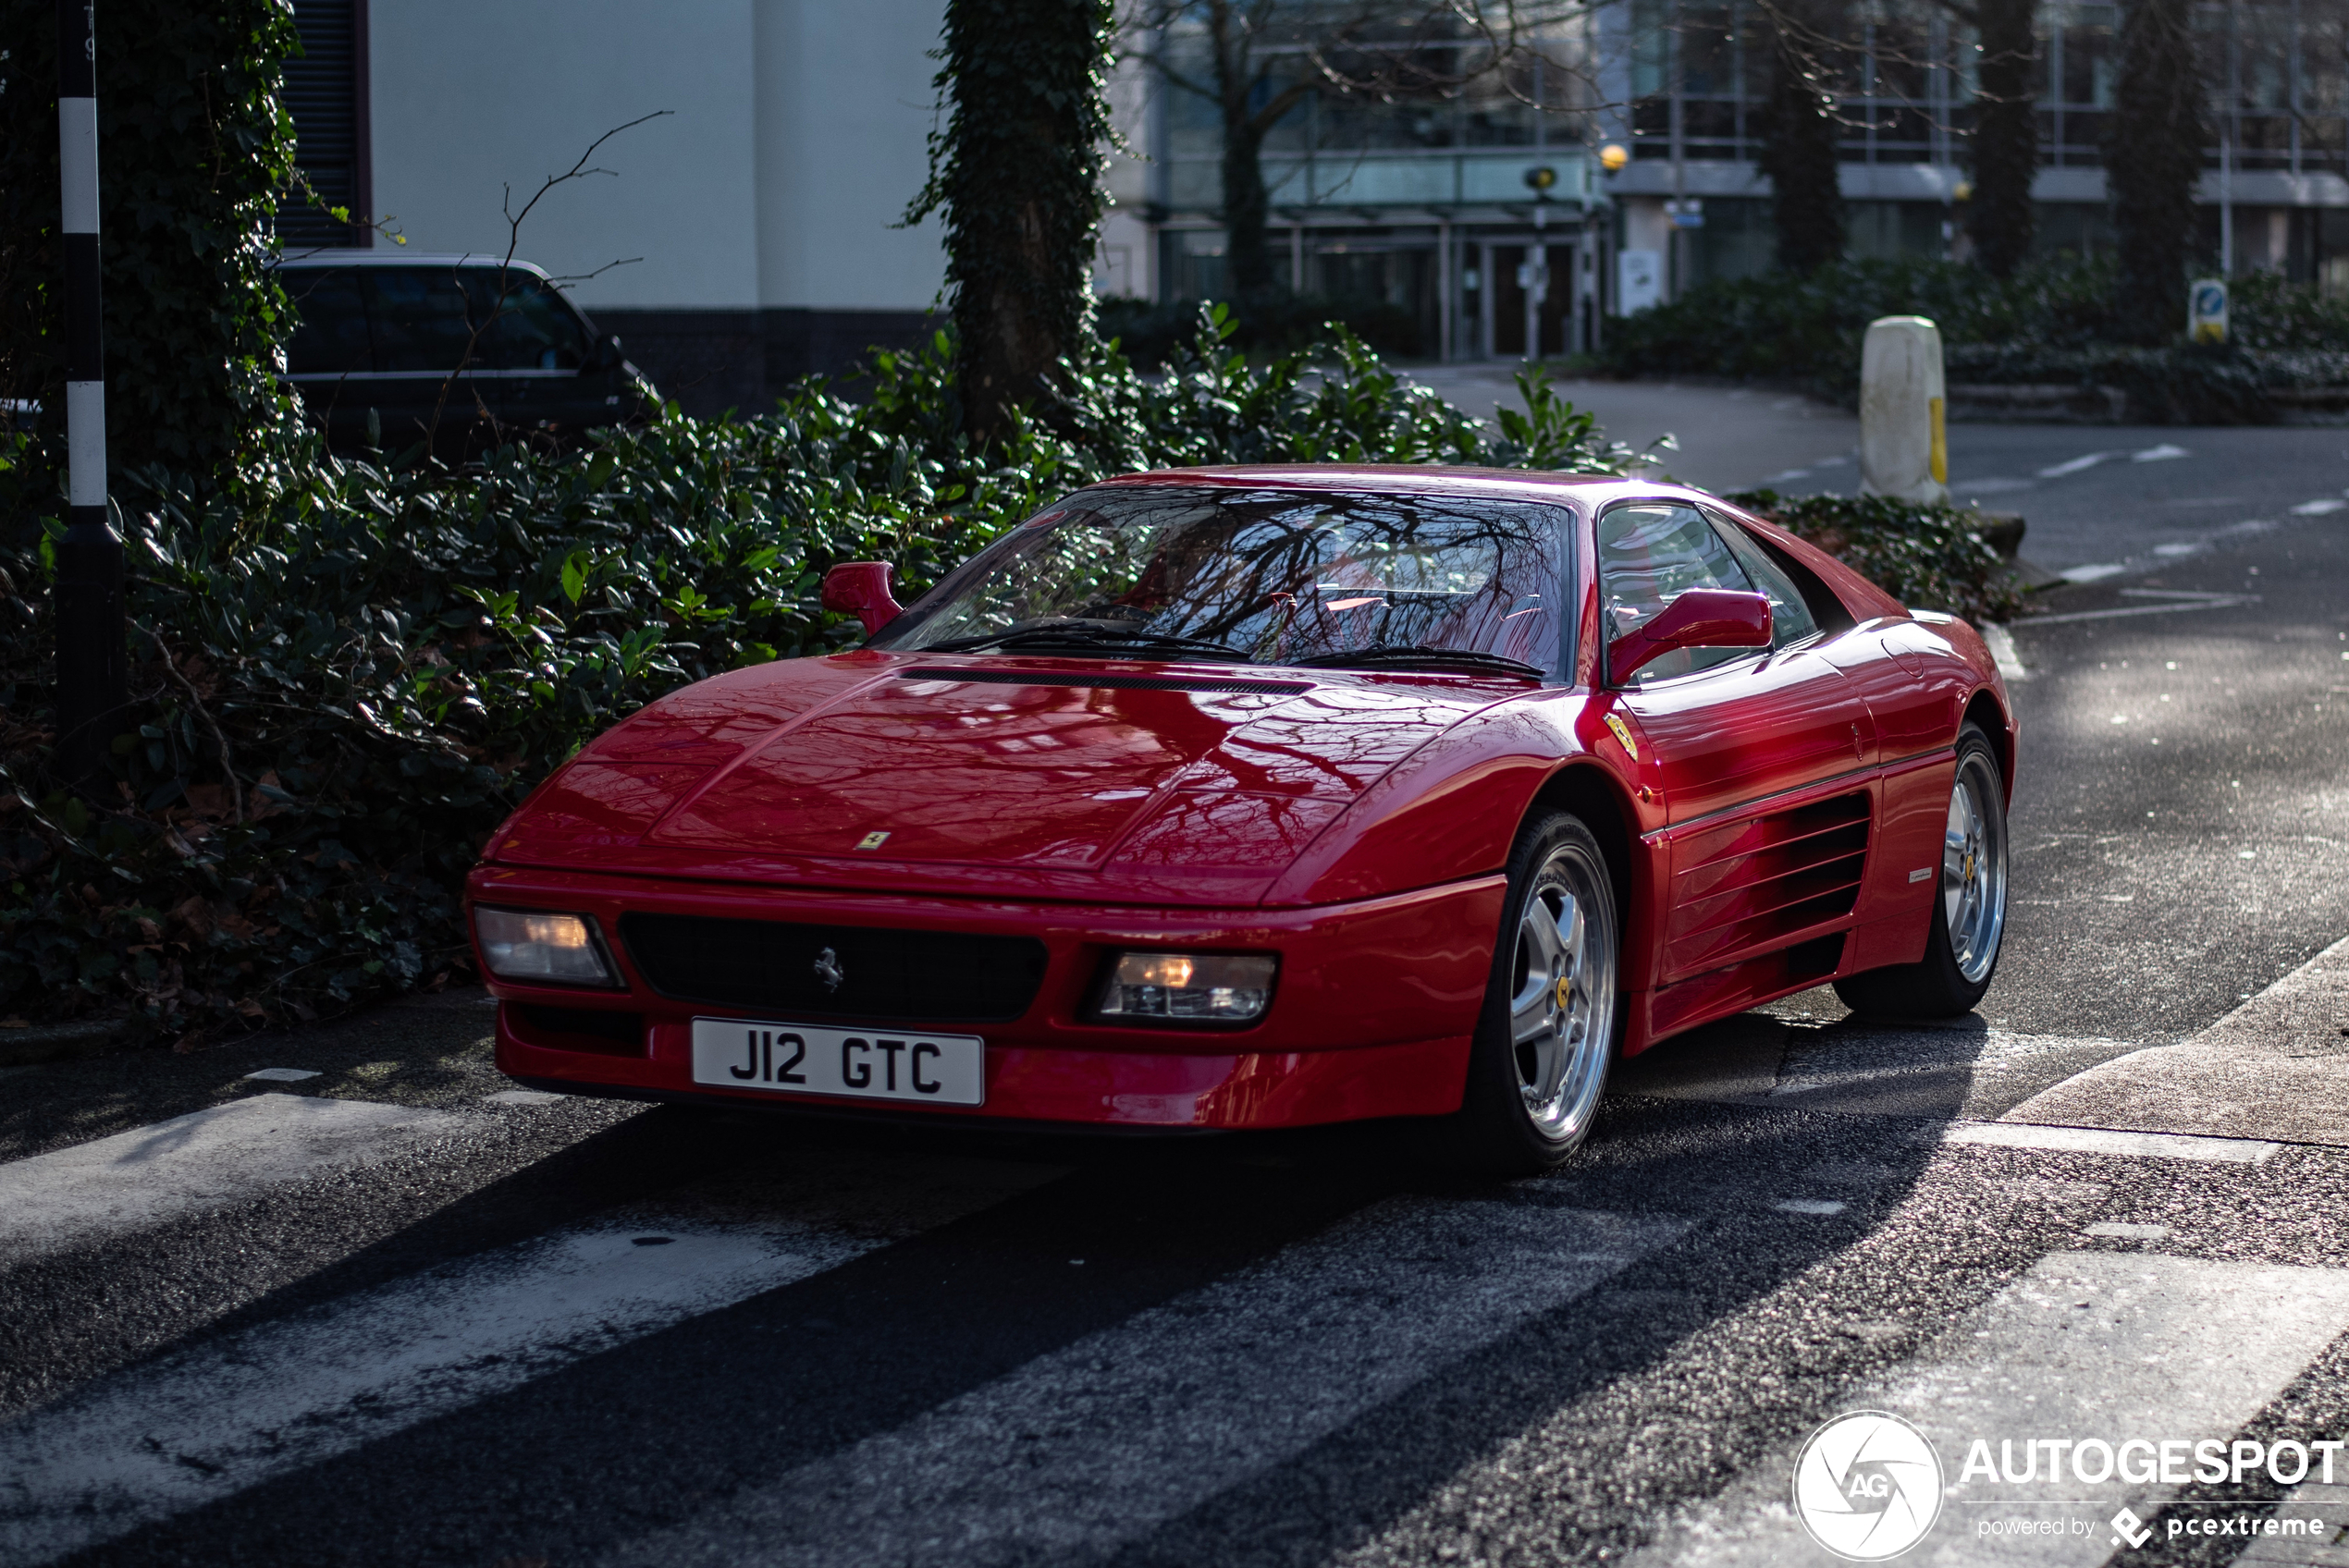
(1262, 797)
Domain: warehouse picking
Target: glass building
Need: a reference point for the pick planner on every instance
(1416, 192)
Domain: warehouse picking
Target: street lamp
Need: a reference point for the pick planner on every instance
(92, 686)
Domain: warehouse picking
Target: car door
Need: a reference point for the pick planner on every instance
(1764, 757)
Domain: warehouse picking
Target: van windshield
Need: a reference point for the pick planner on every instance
(428, 319)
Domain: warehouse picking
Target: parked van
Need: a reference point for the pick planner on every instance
(467, 352)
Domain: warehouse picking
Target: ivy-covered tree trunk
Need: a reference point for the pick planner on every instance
(2006, 138)
(1017, 171)
(1798, 142)
(193, 147)
(2153, 157)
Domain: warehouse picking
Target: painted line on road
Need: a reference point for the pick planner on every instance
(2000, 641)
(206, 1159)
(2323, 508)
(2096, 1343)
(2104, 1140)
(1093, 1446)
(2213, 604)
(2076, 465)
(2162, 453)
(195, 1427)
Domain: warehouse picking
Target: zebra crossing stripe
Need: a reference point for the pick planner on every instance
(201, 1425)
(2101, 1345)
(1095, 1445)
(205, 1159)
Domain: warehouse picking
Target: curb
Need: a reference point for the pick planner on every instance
(51, 1042)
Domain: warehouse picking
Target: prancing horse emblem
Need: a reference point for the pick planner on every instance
(828, 971)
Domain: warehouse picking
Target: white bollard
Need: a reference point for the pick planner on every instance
(1902, 452)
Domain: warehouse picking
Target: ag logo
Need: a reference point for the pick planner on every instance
(1867, 1486)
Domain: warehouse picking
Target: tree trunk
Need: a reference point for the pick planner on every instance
(2006, 138)
(1247, 257)
(1799, 146)
(1019, 172)
(2153, 157)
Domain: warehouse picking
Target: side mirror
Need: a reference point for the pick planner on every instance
(1702, 618)
(861, 589)
(605, 354)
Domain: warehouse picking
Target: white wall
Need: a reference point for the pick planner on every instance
(845, 113)
(468, 94)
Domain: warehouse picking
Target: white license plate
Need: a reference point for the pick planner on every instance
(866, 1064)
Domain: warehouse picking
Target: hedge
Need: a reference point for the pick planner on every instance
(347, 672)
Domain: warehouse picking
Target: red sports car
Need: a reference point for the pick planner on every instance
(1260, 797)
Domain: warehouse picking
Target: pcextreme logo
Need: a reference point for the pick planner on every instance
(1867, 1486)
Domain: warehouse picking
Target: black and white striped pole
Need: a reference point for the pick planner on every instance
(92, 688)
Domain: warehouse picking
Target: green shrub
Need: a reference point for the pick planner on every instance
(347, 673)
(2050, 322)
(1928, 557)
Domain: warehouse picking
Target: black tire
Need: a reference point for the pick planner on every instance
(1508, 1123)
(1963, 943)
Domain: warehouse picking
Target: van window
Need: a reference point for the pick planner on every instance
(330, 322)
(425, 319)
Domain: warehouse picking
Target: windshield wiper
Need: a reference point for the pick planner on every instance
(1076, 637)
(1427, 657)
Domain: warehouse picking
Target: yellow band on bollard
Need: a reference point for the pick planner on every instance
(1940, 459)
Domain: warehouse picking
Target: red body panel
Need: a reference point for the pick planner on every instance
(1355, 823)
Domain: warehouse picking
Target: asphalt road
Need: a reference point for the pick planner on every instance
(397, 1313)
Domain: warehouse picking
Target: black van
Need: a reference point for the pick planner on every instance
(464, 351)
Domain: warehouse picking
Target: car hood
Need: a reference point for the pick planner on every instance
(1091, 780)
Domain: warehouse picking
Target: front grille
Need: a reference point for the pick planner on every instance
(782, 967)
(1120, 682)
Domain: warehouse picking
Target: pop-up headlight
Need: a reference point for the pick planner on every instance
(1197, 989)
(523, 944)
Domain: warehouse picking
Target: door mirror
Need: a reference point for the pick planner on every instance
(1702, 618)
(861, 589)
(605, 354)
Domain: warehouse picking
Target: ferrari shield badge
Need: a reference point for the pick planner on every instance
(1623, 733)
(872, 841)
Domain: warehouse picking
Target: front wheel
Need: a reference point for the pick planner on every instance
(1551, 1020)
(1970, 913)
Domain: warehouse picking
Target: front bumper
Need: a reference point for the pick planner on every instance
(1372, 1015)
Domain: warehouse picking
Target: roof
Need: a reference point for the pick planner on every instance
(308, 258)
(1416, 476)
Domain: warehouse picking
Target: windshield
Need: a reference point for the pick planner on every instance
(1264, 576)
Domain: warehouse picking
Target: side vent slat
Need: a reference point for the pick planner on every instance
(1753, 886)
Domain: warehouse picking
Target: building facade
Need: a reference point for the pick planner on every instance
(748, 231)
(1421, 200)
(744, 236)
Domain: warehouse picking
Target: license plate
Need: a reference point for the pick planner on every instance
(866, 1064)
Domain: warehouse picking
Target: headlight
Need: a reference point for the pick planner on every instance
(1205, 988)
(523, 944)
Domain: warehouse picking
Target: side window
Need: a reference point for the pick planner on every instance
(1791, 617)
(1650, 553)
(330, 313)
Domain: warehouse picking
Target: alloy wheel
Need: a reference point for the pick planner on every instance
(1562, 993)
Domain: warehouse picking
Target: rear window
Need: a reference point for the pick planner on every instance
(430, 319)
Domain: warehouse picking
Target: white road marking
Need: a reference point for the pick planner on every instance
(2085, 1344)
(2319, 508)
(2121, 1230)
(282, 1074)
(2076, 465)
(2162, 453)
(522, 1096)
(1095, 1445)
(1809, 1205)
(203, 1159)
(2095, 573)
(2217, 603)
(1995, 485)
(2173, 552)
(191, 1429)
(1790, 474)
(2000, 642)
(2101, 1140)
